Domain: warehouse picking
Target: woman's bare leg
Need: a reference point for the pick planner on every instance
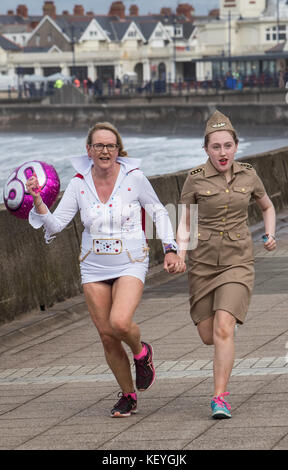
(223, 336)
(112, 310)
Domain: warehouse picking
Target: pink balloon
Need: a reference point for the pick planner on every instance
(16, 198)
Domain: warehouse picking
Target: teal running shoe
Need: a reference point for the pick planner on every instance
(220, 408)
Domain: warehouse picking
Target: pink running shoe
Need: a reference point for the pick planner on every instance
(145, 371)
(125, 406)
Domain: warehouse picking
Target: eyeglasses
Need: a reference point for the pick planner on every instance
(100, 147)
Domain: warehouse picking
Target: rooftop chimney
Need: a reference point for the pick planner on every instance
(117, 9)
(186, 10)
(134, 10)
(33, 25)
(89, 13)
(10, 12)
(166, 11)
(22, 11)
(215, 13)
(78, 10)
(65, 13)
(49, 9)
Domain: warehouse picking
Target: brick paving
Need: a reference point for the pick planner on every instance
(56, 389)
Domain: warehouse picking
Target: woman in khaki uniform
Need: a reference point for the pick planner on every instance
(221, 268)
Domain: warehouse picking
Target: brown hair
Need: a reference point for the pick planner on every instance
(234, 135)
(108, 127)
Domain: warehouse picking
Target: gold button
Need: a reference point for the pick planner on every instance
(221, 233)
(225, 207)
(226, 190)
(199, 234)
(243, 189)
(238, 235)
(208, 192)
(223, 220)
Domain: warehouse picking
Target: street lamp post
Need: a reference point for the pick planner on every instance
(174, 55)
(229, 39)
(174, 50)
(73, 50)
(278, 20)
(175, 30)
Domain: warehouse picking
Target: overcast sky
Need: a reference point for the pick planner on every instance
(102, 6)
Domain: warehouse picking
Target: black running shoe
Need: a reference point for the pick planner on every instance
(145, 372)
(124, 407)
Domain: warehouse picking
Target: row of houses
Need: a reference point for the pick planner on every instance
(246, 37)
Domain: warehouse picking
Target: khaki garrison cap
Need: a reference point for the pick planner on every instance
(218, 122)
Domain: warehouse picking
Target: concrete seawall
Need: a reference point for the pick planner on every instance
(34, 275)
(165, 118)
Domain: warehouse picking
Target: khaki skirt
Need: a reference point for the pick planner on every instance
(214, 288)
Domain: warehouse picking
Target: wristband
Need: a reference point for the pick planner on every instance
(265, 237)
(170, 248)
(170, 251)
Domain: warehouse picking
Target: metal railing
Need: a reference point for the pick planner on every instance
(189, 86)
(116, 89)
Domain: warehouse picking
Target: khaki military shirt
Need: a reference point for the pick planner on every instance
(223, 234)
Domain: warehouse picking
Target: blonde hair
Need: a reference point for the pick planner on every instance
(108, 127)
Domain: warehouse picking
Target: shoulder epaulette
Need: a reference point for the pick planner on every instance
(197, 170)
(246, 165)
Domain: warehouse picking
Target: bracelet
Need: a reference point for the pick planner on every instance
(170, 251)
(170, 248)
(266, 237)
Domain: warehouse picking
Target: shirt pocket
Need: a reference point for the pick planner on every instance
(204, 235)
(208, 201)
(205, 251)
(244, 191)
(238, 235)
(237, 247)
(207, 194)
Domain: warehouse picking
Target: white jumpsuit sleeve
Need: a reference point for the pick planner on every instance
(150, 202)
(55, 222)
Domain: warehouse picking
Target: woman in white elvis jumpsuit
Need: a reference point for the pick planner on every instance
(110, 192)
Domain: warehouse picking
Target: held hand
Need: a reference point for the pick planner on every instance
(270, 245)
(174, 264)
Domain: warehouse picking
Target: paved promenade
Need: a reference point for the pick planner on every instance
(56, 390)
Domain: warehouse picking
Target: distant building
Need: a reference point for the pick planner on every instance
(242, 37)
(249, 38)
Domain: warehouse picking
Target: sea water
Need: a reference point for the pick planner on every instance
(158, 155)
